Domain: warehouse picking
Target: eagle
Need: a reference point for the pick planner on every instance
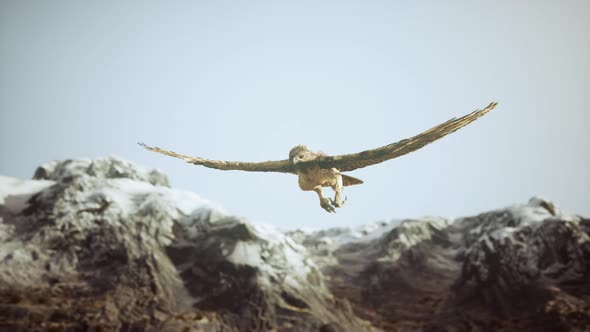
(317, 169)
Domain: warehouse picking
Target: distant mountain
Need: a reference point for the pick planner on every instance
(107, 245)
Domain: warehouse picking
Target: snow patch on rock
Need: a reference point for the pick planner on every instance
(14, 193)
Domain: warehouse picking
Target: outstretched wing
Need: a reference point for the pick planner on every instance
(265, 166)
(349, 162)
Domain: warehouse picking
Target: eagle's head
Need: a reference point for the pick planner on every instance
(299, 154)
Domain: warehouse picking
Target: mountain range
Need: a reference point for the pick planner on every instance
(107, 245)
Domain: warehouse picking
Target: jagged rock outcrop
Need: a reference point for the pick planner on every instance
(106, 245)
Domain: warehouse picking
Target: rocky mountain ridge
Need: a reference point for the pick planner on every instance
(107, 245)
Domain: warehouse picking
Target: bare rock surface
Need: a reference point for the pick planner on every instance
(107, 245)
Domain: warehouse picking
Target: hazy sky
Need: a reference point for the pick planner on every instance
(247, 80)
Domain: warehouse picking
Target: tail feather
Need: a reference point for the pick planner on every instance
(348, 180)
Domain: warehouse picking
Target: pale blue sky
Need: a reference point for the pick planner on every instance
(244, 80)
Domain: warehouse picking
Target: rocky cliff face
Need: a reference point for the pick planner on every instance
(106, 245)
(525, 267)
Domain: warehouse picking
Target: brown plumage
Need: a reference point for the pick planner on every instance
(317, 170)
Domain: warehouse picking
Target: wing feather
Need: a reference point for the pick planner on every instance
(366, 158)
(282, 166)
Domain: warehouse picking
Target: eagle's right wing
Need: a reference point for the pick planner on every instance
(265, 166)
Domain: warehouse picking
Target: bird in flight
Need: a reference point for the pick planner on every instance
(317, 170)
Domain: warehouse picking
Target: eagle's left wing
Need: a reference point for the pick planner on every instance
(349, 162)
(264, 166)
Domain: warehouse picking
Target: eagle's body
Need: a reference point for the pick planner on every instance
(318, 170)
(313, 177)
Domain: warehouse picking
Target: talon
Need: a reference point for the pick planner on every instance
(344, 201)
(325, 204)
(338, 205)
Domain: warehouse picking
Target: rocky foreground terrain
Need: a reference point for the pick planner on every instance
(106, 245)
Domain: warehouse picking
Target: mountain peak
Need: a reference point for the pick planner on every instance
(106, 168)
